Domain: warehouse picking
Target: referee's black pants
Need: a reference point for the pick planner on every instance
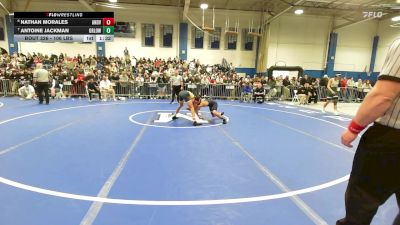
(43, 87)
(175, 91)
(375, 175)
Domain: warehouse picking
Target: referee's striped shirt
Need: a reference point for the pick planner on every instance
(391, 71)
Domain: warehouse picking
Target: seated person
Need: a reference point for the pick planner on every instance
(27, 91)
(56, 87)
(92, 87)
(106, 88)
(246, 91)
(312, 94)
(259, 93)
(307, 93)
(302, 92)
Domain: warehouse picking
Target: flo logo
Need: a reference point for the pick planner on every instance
(373, 14)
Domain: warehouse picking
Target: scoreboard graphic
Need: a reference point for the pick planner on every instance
(64, 26)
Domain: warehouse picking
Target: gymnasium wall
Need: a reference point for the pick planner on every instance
(354, 47)
(387, 35)
(299, 41)
(239, 57)
(146, 14)
(4, 43)
(294, 40)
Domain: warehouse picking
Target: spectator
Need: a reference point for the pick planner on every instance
(259, 93)
(324, 81)
(93, 88)
(305, 79)
(302, 93)
(27, 91)
(106, 88)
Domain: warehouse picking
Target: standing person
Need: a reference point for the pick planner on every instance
(161, 81)
(375, 175)
(177, 86)
(126, 53)
(41, 78)
(332, 95)
(188, 97)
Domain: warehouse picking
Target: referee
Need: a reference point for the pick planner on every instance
(375, 175)
(41, 78)
(177, 86)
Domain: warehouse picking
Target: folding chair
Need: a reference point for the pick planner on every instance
(295, 97)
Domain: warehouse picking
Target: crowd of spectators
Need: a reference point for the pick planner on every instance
(79, 69)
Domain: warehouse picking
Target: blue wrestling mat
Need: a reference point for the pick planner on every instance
(118, 163)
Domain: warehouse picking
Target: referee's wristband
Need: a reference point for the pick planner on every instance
(355, 128)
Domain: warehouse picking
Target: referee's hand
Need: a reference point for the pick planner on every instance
(348, 137)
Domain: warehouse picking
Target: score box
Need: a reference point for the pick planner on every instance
(108, 21)
(108, 30)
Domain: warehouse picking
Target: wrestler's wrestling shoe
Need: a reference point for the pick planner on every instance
(225, 120)
(196, 124)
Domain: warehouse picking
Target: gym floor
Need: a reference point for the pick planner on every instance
(103, 163)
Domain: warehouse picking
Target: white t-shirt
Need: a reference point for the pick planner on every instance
(105, 84)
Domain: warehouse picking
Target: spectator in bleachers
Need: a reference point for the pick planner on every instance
(126, 53)
(316, 83)
(305, 79)
(162, 82)
(324, 81)
(367, 84)
(359, 89)
(285, 93)
(286, 81)
(15, 77)
(294, 82)
(153, 85)
(139, 80)
(343, 82)
(194, 73)
(350, 82)
(272, 87)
